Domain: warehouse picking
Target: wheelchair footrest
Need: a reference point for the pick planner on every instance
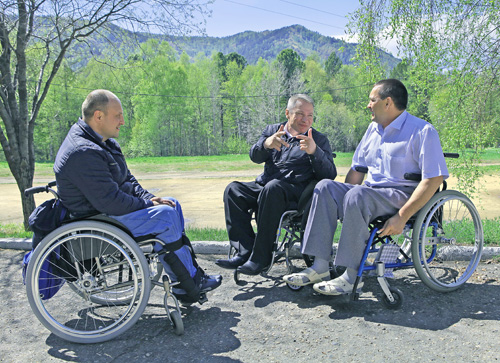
(388, 253)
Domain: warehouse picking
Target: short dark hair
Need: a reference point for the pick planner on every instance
(96, 100)
(394, 89)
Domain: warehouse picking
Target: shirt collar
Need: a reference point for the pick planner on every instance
(288, 134)
(399, 121)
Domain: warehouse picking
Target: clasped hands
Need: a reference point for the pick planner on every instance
(306, 142)
(159, 201)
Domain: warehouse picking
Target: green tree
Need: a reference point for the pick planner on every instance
(53, 27)
(333, 64)
(451, 49)
(291, 61)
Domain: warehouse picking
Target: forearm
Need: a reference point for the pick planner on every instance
(422, 194)
(354, 177)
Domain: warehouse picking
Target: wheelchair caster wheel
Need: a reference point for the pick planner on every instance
(398, 299)
(294, 287)
(176, 319)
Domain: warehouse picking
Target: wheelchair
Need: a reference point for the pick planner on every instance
(289, 235)
(443, 242)
(105, 277)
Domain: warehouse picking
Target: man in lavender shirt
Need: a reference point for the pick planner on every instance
(395, 143)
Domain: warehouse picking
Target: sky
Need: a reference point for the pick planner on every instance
(327, 17)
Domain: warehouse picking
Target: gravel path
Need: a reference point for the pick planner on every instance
(264, 320)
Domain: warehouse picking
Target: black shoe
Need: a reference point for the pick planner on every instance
(251, 268)
(232, 263)
(210, 282)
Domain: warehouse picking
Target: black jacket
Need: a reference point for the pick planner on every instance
(292, 164)
(92, 176)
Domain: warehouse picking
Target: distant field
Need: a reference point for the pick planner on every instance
(490, 160)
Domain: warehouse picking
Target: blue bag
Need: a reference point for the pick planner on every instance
(48, 282)
(44, 219)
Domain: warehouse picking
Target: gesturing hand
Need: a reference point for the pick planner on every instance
(275, 141)
(307, 143)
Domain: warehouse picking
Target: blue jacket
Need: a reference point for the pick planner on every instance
(92, 176)
(292, 164)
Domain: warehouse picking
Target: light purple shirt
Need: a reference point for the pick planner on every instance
(407, 145)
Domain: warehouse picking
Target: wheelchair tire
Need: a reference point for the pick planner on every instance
(398, 296)
(176, 319)
(447, 241)
(104, 264)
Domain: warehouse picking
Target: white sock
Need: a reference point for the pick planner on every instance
(320, 266)
(350, 275)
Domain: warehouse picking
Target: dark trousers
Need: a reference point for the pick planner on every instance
(269, 202)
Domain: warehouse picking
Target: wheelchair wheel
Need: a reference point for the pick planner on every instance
(397, 294)
(176, 319)
(109, 273)
(447, 241)
(123, 296)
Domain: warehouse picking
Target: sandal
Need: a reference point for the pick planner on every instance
(338, 286)
(305, 277)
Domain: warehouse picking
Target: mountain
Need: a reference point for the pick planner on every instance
(268, 44)
(251, 45)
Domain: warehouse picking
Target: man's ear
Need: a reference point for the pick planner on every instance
(98, 115)
(388, 101)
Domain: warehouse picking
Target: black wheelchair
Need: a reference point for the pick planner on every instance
(289, 235)
(105, 277)
(443, 242)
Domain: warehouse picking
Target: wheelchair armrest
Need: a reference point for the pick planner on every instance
(305, 197)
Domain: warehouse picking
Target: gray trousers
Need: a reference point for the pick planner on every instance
(356, 206)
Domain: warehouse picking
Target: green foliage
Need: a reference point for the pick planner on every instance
(450, 66)
(333, 64)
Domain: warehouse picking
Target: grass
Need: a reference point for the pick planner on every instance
(490, 158)
(490, 227)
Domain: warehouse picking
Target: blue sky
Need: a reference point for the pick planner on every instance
(327, 17)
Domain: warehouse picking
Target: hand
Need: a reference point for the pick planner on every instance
(158, 201)
(307, 143)
(275, 141)
(392, 226)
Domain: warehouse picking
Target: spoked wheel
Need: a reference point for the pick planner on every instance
(448, 239)
(397, 294)
(106, 269)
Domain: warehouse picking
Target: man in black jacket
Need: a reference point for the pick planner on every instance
(92, 177)
(294, 154)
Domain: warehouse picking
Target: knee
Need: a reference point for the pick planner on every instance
(162, 212)
(354, 197)
(229, 192)
(273, 189)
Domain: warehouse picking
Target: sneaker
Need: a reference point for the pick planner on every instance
(210, 282)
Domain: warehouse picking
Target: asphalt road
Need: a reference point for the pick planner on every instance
(265, 321)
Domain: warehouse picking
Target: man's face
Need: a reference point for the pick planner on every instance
(111, 120)
(300, 119)
(377, 106)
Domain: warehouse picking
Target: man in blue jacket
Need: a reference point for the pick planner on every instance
(294, 154)
(92, 177)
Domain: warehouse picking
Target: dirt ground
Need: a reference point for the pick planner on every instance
(201, 195)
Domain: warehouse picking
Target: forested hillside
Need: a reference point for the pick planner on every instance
(251, 45)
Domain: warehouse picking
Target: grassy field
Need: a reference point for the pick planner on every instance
(490, 164)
